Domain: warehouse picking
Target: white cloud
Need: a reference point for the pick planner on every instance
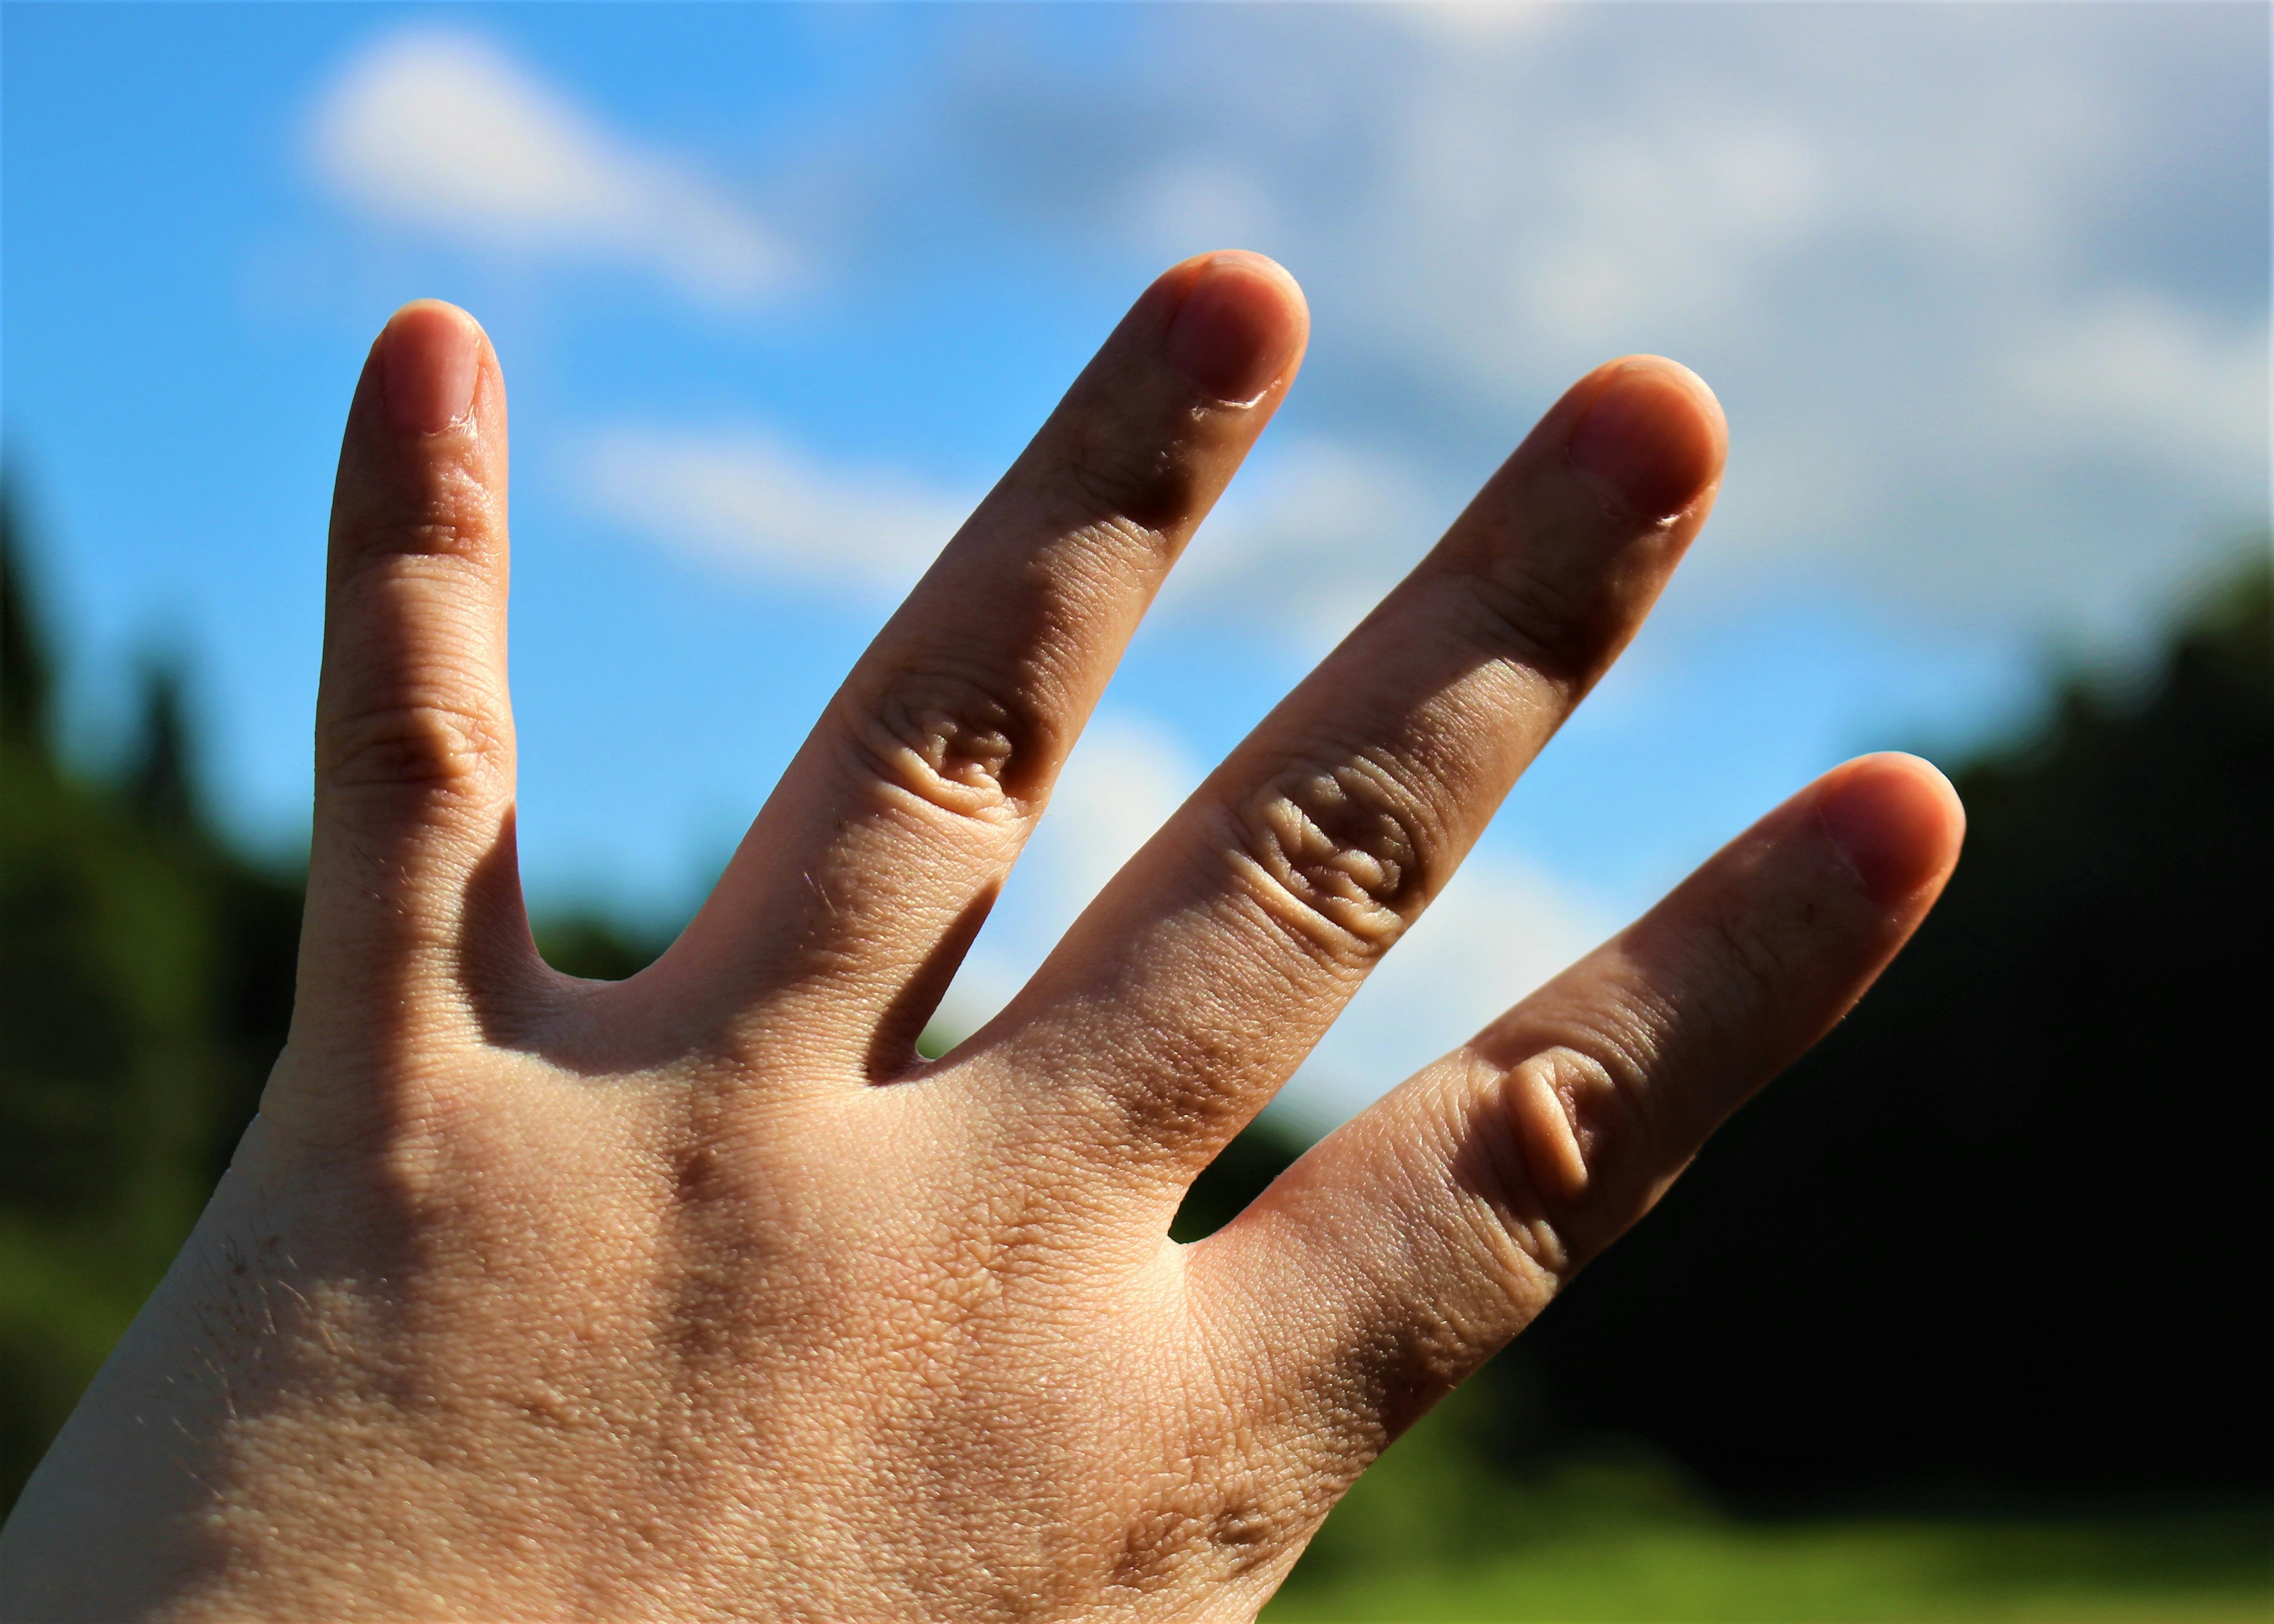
(1982, 287)
(1646, 227)
(441, 131)
(1906, 245)
(750, 500)
(2136, 371)
(1201, 201)
(1307, 540)
(1476, 24)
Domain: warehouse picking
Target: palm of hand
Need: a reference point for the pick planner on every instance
(701, 1294)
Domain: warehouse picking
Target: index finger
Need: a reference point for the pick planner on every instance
(411, 850)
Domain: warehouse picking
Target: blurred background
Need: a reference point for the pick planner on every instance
(1967, 1318)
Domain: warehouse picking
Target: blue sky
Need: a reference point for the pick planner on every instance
(780, 289)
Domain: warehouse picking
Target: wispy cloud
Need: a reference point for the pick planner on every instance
(1985, 358)
(1308, 539)
(1984, 289)
(442, 131)
(751, 501)
(1304, 544)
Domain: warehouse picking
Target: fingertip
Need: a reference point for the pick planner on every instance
(1240, 326)
(1653, 431)
(429, 360)
(1897, 821)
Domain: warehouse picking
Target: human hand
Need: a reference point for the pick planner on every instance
(702, 1296)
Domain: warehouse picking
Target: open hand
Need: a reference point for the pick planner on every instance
(702, 1296)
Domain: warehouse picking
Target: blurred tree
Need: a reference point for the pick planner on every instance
(1263, 1150)
(145, 986)
(2005, 1229)
(24, 675)
(159, 784)
(585, 944)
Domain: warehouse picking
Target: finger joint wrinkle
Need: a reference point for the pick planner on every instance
(1148, 483)
(1337, 856)
(445, 505)
(419, 743)
(1569, 1105)
(448, 528)
(945, 739)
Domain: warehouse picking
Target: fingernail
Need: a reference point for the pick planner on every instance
(1653, 435)
(430, 357)
(1894, 818)
(1233, 335)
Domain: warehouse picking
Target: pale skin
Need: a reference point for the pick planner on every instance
(702, 1296)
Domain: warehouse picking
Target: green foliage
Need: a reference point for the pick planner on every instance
(2184, 1568)
(1444, 1527)
(144, 978)
(582, 945)
(2002, 1232)
(1448, 1496)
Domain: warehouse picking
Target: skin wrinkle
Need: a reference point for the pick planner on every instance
(427, 745)
(1542, 1116)
(450, 517)
(1612, 1112)
(1141, 481)
(449, 526)
(944, 739)
(1514, 1209)
(1340, 849)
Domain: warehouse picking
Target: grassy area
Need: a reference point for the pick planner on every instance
(2176, 1570)
(1435, 1531)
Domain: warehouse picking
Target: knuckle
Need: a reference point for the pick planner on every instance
(1598, 1074)
(1471, 1194)
(1341, 854)
(1530, 1159)
(947, 740)
(1199, 1533)
(417, 743)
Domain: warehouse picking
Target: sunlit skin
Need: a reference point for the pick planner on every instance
(702, 1296)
